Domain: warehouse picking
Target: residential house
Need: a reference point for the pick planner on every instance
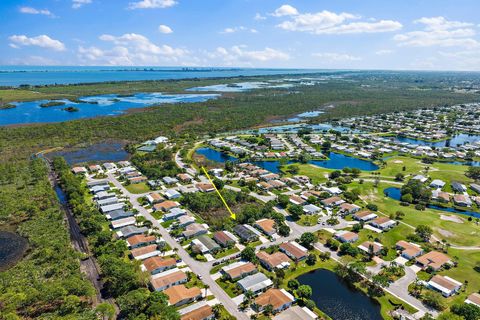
(371, 247)
(332, 201)
(205, 187)
(198, 311)
(225, 238)
(279, 299)
(294, 199)
(245, 233)
(294, 250)
(156, 264)
(206, 244)
(475, 187)
(193, 230)
(474, 299)
(79, 170)
(142, 253)
(348, 208)
(140, 240)
(174, 213)
(433, 259)
(437, 184)
(166, 279)
(311, 209)
(166, 206)
(420, 178)
(462, 200)
(346, 236)
(179, 295)
(364, 216)
(169, 180)
(154, 198)
(383, 223)
(239, 270)
(441, 196)
(445, 285)
(172, 194)
(277, 260)
(129, 231)
(256, 283)
(120, 223)
(184, 177)
(119, 214)
(409, 250)
(296, 313)
(458, 187)
(267, 226)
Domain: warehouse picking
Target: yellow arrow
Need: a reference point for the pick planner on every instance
(232, 215)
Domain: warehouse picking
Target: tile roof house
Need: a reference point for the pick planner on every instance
(277, 260)
(409, 250)
(433, 259)
(157, 264)
(267, 226)
(179, 295)
(166, 279)
(294, 199)
(256, 283)
(279, 299)
(445, 285)
(294, 250)
(462, 200)
(154, 197)
(239, 270)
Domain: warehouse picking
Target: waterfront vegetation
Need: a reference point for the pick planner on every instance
(231, 111)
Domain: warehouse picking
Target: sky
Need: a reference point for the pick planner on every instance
(332, 34)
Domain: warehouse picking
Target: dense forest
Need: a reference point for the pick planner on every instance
(359, 94)
(47, 283)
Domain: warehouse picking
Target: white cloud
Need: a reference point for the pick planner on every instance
(327, 22)
(285, 10)
(331, 56)
(238, 29)
(30, 10)
(130, 49)
(152, 4)
(76, 4)
(383, 52)
(239, 55)
(42, 41)
(259, 17)
(438, 31)
(164, 29)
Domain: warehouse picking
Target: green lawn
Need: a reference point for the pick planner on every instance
(308, 220)
(225, 253)
(229, 287)
(138, 188)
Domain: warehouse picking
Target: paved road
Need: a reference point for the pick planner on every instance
(202, 269)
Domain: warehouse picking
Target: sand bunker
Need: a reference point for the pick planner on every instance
(451, 218)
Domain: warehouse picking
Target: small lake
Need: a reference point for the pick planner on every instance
(92, 106)
(241, 86)
(334, 297)
(456, 140)
(12, 248)
(395, 193)
(335, 161)
(99, 152)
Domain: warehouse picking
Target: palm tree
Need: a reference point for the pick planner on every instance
(206, 289)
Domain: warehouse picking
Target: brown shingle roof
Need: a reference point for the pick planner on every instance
(166, 280)
(274, 259)
(143, 250)
(140, 238)
(434, 259)
(293, 250)
(241, 270)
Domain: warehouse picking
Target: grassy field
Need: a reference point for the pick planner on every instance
(138, 188)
